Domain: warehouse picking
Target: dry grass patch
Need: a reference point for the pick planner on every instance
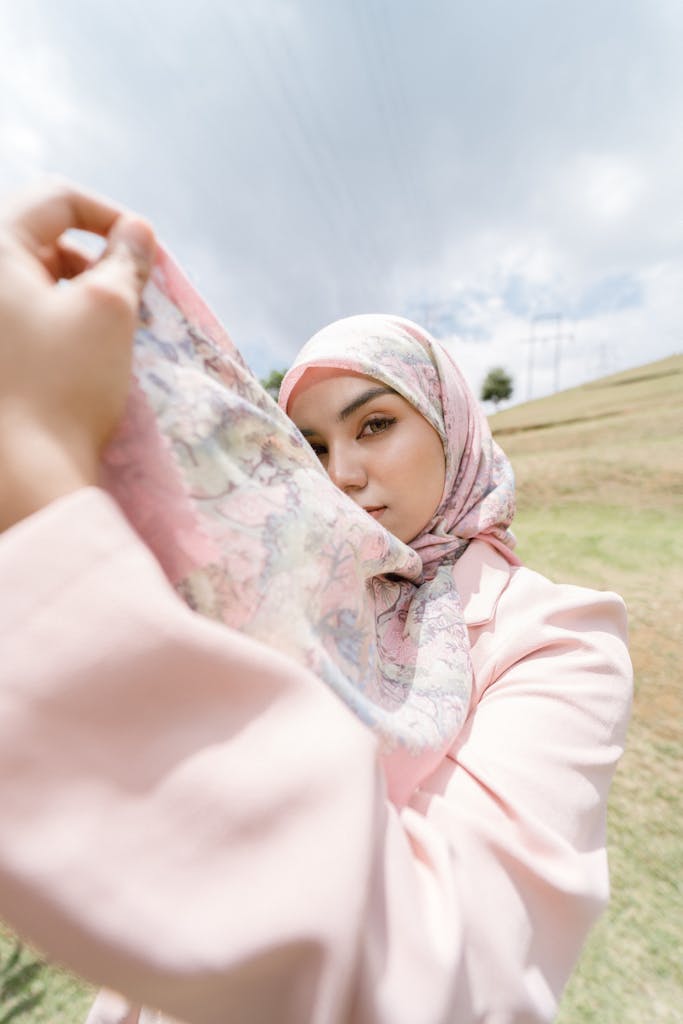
(601, 503)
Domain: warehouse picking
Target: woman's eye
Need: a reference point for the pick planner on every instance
(377, 425)
(319, 449)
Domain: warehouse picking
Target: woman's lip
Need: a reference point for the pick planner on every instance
(375, 510)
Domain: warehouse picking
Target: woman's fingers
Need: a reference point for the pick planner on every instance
(43, 212)
(125, 265)
(65, 353)
(69, 260)
(38, 217)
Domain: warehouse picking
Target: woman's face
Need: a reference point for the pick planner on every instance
(375, 446)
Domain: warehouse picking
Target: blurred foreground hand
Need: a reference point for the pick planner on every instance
(65, 352)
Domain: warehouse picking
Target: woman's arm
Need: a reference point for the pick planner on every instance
(522, 799)
(189, 817)
(196, 821)
(186, 815)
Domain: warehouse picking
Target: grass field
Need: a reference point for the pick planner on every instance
(600, 486)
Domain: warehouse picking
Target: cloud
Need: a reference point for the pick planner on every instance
(474, 167)
(37, 106)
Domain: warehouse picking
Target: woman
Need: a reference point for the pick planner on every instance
(162, 833)
(396, 427)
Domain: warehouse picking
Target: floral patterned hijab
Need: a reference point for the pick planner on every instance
(479, 498)
(249, 529)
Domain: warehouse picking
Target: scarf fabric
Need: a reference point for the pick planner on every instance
(478, 502)
(479, 491)
(222, 487)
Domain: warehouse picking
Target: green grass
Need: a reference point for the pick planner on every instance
(32, 991)
(631, 970)
(606, 544)
(600, 487)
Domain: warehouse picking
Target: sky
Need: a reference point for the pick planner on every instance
(509, 175)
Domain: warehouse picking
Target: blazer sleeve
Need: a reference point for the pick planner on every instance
(522, 796)
(197, 822)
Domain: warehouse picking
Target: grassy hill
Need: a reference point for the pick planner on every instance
(600, 485)
(600, 494)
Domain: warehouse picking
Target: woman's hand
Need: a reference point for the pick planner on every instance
(65, 352)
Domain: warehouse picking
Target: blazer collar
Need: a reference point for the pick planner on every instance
(481, 575)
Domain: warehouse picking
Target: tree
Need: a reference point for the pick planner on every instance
(273, 382)
(497, 386)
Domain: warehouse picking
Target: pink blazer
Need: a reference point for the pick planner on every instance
(194, 820)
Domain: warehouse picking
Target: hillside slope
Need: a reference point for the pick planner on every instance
(600, 502)
(607, 396)
(616, 440)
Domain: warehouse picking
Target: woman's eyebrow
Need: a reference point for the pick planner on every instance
(360, 400)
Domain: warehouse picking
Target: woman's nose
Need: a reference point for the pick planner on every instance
(345, 468)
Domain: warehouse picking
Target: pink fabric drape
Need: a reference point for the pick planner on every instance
(220, 485)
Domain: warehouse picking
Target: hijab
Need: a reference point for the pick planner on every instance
(478, 502)
(479, 495)
(248, 528)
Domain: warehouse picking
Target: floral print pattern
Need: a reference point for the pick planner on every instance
(248, 528)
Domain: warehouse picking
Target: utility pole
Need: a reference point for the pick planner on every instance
(555, 334)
